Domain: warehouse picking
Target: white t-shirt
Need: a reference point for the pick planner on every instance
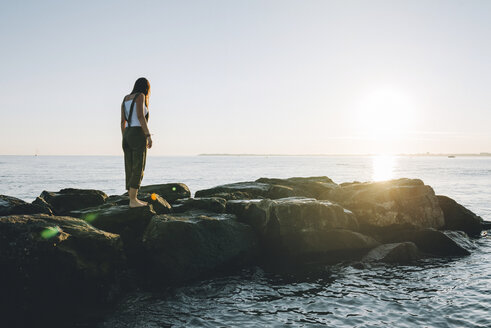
(133, 120)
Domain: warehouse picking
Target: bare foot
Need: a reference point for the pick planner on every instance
(142, 202)
(137, 203)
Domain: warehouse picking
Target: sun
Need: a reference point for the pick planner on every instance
(384, 113)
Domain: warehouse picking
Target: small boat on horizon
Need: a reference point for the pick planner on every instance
(451, 156)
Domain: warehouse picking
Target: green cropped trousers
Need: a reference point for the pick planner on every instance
(135, 155)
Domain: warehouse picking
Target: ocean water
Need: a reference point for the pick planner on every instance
(448, 292)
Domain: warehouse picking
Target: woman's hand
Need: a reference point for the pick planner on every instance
(149, 142)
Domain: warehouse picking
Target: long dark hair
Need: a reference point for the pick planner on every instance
(142, 85)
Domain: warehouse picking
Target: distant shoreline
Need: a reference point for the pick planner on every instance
(410, 155)
(266, 155)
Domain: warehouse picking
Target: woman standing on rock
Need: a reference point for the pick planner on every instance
(136, 137)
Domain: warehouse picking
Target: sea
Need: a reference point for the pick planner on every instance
(443, 292)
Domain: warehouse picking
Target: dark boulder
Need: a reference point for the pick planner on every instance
(12, 206)
(431, 241)
(323, 244)
(457, 217)
(313, 187)
(298, 226)
(404, 252)
(271, 188)
(238, 190)
(390, 204)
(116, 218)
(159, 204)
(169, 191)
(193, 244)
(70, 199)
(129, 223)
(55, 266)
(211, 204)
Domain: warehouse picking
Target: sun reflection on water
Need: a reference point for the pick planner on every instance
(383, 167)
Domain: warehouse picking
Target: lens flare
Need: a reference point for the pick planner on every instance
(174, 188)
(90, 217)
(153, 196)
(50, 232)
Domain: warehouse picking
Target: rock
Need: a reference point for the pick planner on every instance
(169, 191)
(42, 203)
(319, 242)
(129, 223)
(457, 217)
(211, 204)
(66, 200)
(55, 266)
(11, 206)
(462, 239)
(193, 244)
(116, 218)
(431, 241)
(390, 204)
(159, 204)
(270, 188)
(299, 225)
(238, 190)
(397, 252)
(312, 187)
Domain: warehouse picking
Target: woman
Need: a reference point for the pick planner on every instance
(136, 137)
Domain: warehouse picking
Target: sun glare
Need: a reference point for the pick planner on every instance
(383, 167)
(384, 113)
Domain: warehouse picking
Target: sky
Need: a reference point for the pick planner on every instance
(248, 77)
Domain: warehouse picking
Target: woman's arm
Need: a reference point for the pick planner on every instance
(123, 118)
(141, 117)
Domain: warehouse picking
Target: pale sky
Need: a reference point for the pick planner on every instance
(262, 77)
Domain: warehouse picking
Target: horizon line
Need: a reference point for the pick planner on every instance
(484, 154)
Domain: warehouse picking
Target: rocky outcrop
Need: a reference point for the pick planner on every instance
(212, 204)
(390, 204)
(404, 252)
(299, 226)
(194, 244)
(70, 199)
(457, 217)
(52, 263)
(11, 206)
(293, 220)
